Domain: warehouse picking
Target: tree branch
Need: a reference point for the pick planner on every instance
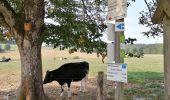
(148, 8)
(85, 9)
(7, 13)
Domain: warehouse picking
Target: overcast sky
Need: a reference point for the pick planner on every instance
(133, 29)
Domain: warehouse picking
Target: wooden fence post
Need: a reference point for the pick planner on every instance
(100, 85)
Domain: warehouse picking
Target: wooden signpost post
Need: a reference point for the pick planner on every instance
(162, 14)
(117, 10)
(119, 91)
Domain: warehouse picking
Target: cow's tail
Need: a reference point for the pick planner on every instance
(87, 67)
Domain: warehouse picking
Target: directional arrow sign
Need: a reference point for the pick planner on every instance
(119, 26)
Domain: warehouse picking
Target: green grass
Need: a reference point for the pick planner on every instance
(151, 63)
(151, 66)
(13, 46)
(146, 72)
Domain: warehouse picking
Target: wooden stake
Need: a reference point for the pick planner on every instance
(100, 85)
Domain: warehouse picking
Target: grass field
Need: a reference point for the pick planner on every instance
(144, 71)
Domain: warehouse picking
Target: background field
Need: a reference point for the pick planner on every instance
(141, 71)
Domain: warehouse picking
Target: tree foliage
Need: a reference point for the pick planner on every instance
(78, 24)
(134, 51)
(147, 48)
(146, 17)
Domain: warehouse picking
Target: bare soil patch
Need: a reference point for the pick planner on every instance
(52, 90)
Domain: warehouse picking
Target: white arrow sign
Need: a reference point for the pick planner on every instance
(119, 26)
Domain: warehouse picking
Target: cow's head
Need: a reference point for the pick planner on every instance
(48, 77)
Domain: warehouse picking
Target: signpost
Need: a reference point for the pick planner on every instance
(117, 10)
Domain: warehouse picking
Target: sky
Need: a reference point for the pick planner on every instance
(133, 29)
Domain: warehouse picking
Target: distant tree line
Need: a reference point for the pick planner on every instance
(5, 47)
(139, 49)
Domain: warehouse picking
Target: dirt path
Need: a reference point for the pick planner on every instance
(52, 91)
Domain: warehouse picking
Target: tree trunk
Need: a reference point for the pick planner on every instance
(29, 40)
(31, 86)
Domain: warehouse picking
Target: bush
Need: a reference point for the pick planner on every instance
(7, 47)
(0, 48)
(76, 57)
(3, 58)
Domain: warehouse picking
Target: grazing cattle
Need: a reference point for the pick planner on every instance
(67, 73)
(62, 58)
(5, 60)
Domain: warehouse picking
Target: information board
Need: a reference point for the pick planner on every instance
(117, 72)
(117, 9)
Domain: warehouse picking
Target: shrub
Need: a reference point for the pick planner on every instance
(7, 47)
(76, 57)
(0, 48)
(3, 58)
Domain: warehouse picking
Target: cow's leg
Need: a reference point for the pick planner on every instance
(69, 91)
(62, 91)
(85, 83)
(81, 85)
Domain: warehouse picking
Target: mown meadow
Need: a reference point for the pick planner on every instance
(145, 75)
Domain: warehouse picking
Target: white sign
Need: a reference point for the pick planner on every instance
(117, 72)
(119, 26)
(117, 9)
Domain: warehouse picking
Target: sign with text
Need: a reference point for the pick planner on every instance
(117, 9)
(117, 72)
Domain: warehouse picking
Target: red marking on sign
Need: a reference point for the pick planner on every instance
(110, 18)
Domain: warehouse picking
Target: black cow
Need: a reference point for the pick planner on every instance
(5, 60)
(67, 73)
